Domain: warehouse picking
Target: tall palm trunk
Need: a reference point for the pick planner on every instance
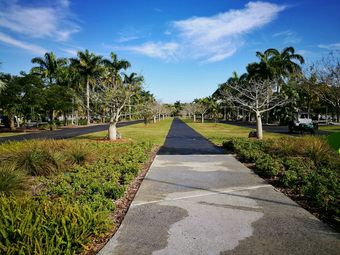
(88, 100)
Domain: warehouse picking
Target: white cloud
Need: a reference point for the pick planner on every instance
(160, 50)
(214, 38)
(44, 21)
(125, 38)
(289, 36)
(23, 45)
(332, 46)
(71, 52)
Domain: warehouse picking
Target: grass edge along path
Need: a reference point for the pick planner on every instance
(70, 210)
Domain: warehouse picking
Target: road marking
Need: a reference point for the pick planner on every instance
(208, 193)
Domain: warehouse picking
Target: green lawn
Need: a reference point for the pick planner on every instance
(334, 136)
(219, 132)
(331, 128)
(154, 133)
(7, 134)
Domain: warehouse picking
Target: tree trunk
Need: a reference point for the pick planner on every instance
(77, 118)
(72, 115)
(194, 117)
(88, 100)
(65, 118)
(225, 113)
(113, 131)
(154, 119)
(202, 118)
(259, 126)
(129, 108)
(11, 123)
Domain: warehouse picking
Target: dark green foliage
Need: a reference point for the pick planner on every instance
(322, 188)
(268, 166)
(296, 171)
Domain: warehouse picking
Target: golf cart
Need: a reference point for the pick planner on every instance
(302, 123)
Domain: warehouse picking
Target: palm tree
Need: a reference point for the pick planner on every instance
(114, 66)
(89, 66)
(48, 66)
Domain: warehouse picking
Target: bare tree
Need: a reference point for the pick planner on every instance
(202, 106)
(256, 96)
(114, 96)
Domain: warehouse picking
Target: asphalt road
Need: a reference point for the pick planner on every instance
(212, 204)
(65, 133)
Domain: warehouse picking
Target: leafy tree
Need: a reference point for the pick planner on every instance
(48, 66)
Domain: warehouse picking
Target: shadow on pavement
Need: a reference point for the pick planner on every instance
(183, 140)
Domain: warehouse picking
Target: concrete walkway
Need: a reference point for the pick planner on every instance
(212, 204)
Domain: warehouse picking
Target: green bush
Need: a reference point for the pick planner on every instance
(296, 171)
(12, 181)
(79, 153)
(248, 150)
(268, 166)
(35, 157)
(322, 188)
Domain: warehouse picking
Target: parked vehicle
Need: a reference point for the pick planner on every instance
(303, 123)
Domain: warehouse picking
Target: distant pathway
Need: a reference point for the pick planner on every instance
(195, 200)
(65, 133)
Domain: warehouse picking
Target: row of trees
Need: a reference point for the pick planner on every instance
(275, 88)
(88, 86)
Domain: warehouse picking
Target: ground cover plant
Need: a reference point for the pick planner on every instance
(307, 167)
(58, 197)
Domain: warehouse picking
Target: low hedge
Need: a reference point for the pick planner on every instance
(306, 165)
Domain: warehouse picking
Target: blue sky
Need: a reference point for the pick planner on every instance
(184, 48)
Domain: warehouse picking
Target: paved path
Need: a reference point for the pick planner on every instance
(65, 132)
(212, 204)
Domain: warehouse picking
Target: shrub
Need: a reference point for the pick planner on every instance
(35, 157)
(79, 153)
(12, 181)
(39, 161)
(296, 171)
(322, 188)
(268, 166)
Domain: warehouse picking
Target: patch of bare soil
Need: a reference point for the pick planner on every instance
(122, 206)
